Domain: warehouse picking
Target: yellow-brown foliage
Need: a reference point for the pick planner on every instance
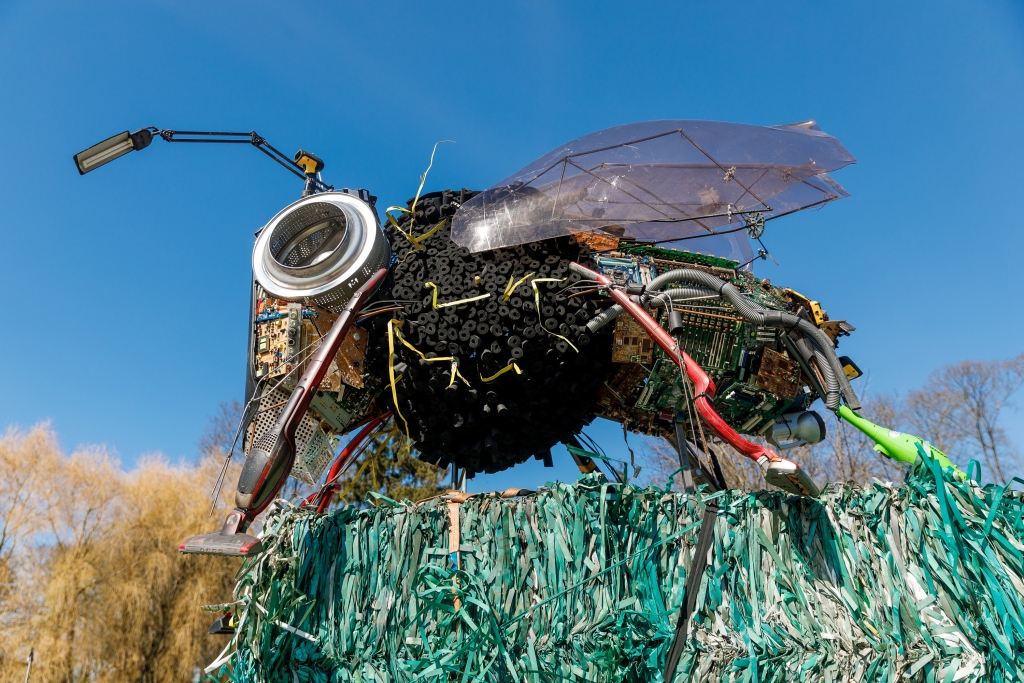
(90, 574)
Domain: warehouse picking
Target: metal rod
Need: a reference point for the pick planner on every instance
(288, 166)
(253, 138)
(223, 142)
(204, 132)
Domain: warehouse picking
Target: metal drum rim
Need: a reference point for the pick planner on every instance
(369, 231)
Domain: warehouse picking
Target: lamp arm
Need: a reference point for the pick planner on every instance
(252, 137)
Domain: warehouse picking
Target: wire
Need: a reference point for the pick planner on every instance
(378, 312)
(697, 237)
(241, 421)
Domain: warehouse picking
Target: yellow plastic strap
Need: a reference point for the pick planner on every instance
(429, 233)
(499, 373)
(453, 303)
(413, 240)
(456, 373)
(394, 223)
(540, 318)
(398, 332)
(391, 370)
(455, 361)
(512, 287)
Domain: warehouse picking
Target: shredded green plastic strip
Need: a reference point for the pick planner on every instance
(583, 582)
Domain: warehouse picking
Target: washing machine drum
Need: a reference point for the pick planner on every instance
(321, 248)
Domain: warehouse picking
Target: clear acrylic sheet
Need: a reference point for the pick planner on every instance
(663, 181)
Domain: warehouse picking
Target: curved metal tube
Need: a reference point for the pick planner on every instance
(836, 381)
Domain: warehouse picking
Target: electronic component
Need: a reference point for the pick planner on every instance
(836, 328)
(320, 248)
(757, 377)
(630, 344)
(849, 367)
(675, 256)
(796, 429)
(778, 374)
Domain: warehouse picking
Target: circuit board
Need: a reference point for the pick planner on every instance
(630, 344)
(278, 338)
(681, 259)
(756, 378)
(286, 335)
(713, 336)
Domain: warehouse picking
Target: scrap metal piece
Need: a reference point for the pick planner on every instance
(630, 344)
(778, 374)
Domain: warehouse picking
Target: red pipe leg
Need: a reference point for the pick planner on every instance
(779, 471)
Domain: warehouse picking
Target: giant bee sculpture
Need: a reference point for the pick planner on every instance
(611, 277)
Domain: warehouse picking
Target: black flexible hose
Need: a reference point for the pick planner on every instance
(836, 381)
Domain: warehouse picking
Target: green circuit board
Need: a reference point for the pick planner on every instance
(681, 256)
(754, 376)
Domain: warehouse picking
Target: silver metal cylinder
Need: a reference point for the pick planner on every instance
(321, 248)
(805, 427)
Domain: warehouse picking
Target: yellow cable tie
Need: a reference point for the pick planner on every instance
(398, 333)
(512, 287)
(429, 233)
(499, 373)
(455, 361)
(391, 219)
(391, 371)
(508, 288)
(456, 373)
(540, 318)
(395, 331)
(414, 240)
(453, 303)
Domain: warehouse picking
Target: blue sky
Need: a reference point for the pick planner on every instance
(125, 290)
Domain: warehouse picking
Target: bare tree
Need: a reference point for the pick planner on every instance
(845, 455)
(661, 461)
(959, 410)
(220, 429)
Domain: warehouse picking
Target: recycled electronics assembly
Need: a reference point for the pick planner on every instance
(609, 278)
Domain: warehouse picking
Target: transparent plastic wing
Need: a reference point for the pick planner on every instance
(659, 180)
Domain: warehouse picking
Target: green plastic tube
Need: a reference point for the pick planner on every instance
(893, 444)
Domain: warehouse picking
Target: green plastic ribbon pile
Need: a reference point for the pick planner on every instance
(583, 582)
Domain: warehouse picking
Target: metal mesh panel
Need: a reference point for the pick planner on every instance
(313, 451)
(336, 299)
(293, 248)
(308, 246)
(311, 461)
